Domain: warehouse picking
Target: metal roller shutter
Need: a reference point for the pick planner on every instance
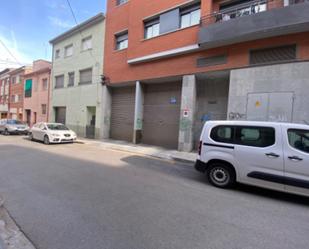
(162, 114)
(60, 115)
(122, 117)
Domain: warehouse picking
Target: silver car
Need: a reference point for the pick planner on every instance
(12, 126)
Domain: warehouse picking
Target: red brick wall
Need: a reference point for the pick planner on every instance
(130, 15)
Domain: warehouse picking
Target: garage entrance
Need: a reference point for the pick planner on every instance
(162, 114)
(122, 115)
(60, 115)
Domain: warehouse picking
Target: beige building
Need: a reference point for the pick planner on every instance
(77, 68)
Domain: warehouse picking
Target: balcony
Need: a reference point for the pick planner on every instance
(252, 21)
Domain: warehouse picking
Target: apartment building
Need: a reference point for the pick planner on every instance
(4, 92)
(77, 67)
(16, 92)
(36, 93)
(172, 65)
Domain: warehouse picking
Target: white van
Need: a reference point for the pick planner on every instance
(269, 155)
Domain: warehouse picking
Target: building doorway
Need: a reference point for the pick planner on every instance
(60, 115)
(91, 120)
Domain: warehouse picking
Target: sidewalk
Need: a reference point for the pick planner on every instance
(11, 237)
(148, 150)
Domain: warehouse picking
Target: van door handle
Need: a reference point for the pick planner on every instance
(272, 155)
(295, 158)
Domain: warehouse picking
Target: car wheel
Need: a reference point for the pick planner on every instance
(46, 140)
(6, 132)
(31, 136)
(221, 175)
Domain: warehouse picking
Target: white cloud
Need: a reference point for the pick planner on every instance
(60, 23)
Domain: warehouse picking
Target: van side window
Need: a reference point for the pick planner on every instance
(299, 139)
(222, 134)
(255, 136)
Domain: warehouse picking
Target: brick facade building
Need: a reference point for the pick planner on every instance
(171, 65)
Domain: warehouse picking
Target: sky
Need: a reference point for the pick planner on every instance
(27, 26)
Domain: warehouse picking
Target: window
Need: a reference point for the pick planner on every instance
(68, 51)
(87, 43)
(19, 97)
(44, 84)
(299, 139)
(122, 41)
(255, 136)
(152, 28)
(222, 134)
(85, 76)
(190, 16)
(44, 109)
(28, 88)
(59, 81)
(71, 79)
(13, 99)
(57, 54)
(119, 2)
(13, 80)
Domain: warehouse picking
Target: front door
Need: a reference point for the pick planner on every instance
(259, 153)
(296, 157)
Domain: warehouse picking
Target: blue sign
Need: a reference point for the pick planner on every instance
(173, 100)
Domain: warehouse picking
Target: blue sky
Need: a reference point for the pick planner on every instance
(26, 26)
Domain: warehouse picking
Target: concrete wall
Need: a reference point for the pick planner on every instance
(76, 99)
(292, 77)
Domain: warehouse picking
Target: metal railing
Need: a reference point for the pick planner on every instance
(245, 9)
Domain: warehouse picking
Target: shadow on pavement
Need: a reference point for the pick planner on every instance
(187, 171)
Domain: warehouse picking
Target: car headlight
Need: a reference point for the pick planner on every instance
(55, 135)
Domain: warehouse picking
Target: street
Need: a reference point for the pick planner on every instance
(79, 196)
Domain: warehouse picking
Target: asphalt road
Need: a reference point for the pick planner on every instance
(83, 197)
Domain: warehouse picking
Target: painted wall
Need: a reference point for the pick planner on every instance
(77, 98)
(40, 96)
(292, 77)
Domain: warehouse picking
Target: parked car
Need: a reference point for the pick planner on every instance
(52, 133)
(12, 126)
(269, 155)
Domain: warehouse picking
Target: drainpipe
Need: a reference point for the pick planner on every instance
(48, 95)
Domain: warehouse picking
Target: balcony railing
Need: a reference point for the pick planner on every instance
(251, 8)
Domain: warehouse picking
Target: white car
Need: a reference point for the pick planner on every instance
(52, 133)
(269, 155)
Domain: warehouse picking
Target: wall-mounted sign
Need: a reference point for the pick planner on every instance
(173, 100)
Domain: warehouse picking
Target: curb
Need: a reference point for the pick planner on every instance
(11, 236)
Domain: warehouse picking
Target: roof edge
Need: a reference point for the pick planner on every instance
(88, 23)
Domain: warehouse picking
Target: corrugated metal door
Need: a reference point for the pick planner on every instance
(122, 117)
(162, 114)
(60, 115)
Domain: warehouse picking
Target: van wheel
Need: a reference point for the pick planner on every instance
(221, 175)
(46, 140)
(6, 132)
(31, 136)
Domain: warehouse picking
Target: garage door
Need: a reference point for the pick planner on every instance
(60, 115)
(122, 117)
(161, 114)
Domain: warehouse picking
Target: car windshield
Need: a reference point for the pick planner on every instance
(57, 127)
(14, 122)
